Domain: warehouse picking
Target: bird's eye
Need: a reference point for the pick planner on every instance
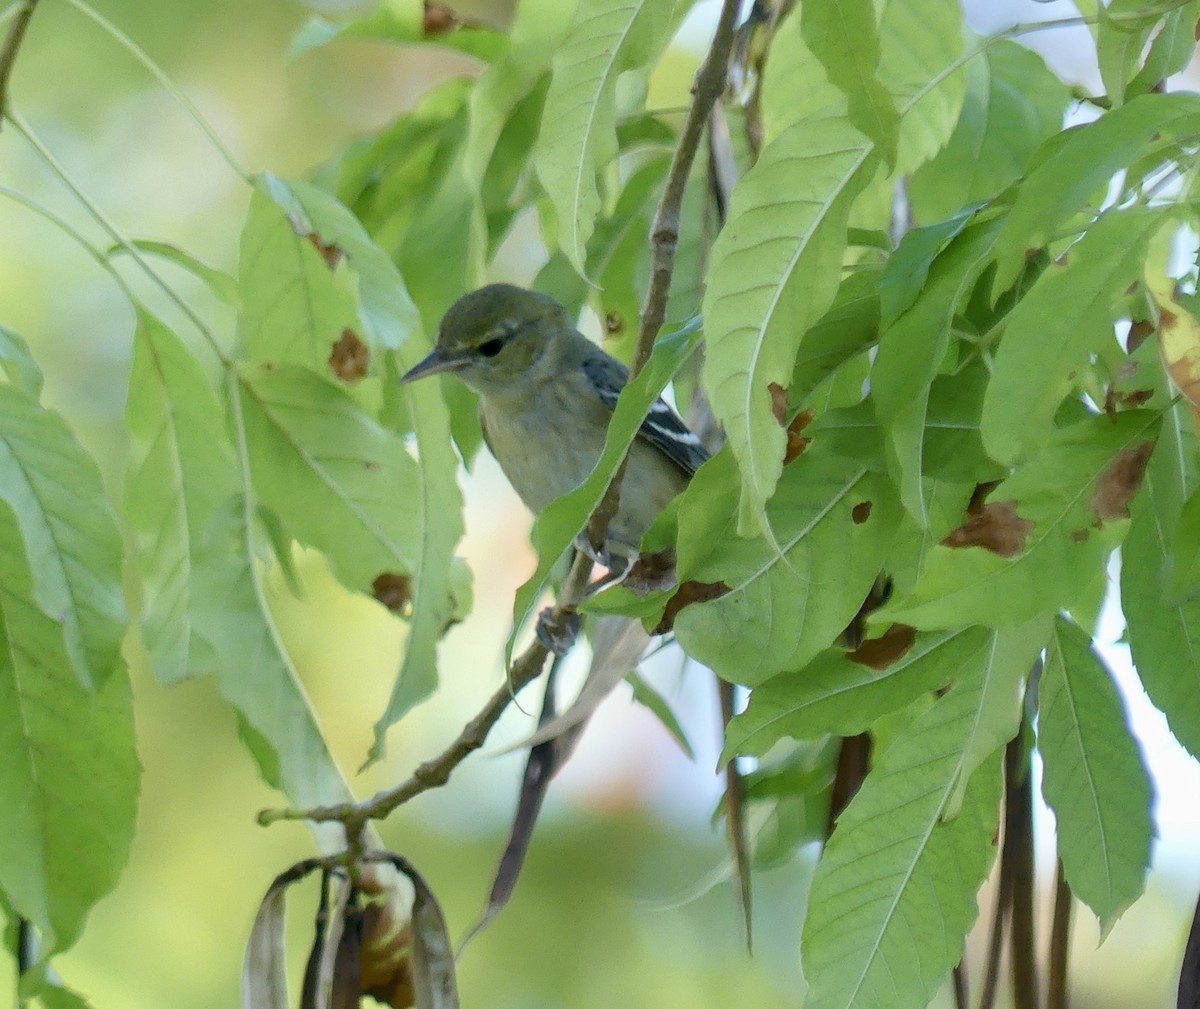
(491, 348)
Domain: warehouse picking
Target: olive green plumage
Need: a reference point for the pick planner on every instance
(546, 396)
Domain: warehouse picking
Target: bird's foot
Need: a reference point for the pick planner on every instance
(558, 634)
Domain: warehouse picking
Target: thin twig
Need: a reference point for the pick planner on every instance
(1060, 943)
(113, 232)
(991, 973)
(436, 771)
(1018, 847)
(166, 83)
(710, 82)
(958, 977)
(664, 232)
(735, 816)
(8, 54)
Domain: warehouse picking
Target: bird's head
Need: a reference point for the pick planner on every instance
(494, 338)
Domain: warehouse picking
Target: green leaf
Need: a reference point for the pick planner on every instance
(254, 672)
(388, 317)
(834, 521)
(180, 469)
(217, 281)
(18, 363)
(341, 482)
(1094, 777)
(1045, 349)
(894, 893)
(563, 519)
(1185, 567)
(295, 305)
(1124, 28)
(920, 63)
(844, 36)
(1164, 635)
(774, 271)
(56, 996)
(645, 695)
(70, 534)
(1003, 667)
(1075, 166)
(1170, 51)
(1013, 103)
(69, 778)
(835, 695)
(1062, 533)
(388, 179)
(607, 39)
(952, 448)
(907, 269)
(795, 86)
(912, 349)
(848, 328)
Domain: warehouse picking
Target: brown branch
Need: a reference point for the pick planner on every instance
(991, 974)
(735, 816)
(1060, 943)
(8, 53)
(853, 763)
(708, 86)
(958, 978)
(1018, 851)
(436, 771)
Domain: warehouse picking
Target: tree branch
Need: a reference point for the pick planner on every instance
(664, 235)
(1060, 942)
(436, 771)
(664, 232)
(8, 53)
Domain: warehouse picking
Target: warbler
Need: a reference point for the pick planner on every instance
(546, 396)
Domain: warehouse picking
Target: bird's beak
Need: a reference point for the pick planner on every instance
(434, 363)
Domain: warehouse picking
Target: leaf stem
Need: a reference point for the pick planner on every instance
(436, 772)
(68, 229)
(168, 85)
(21, 15)
(664, 232)
(114, 232)
(1018, 851)
(664, 236)
(1060, 942)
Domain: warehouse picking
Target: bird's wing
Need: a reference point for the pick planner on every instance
(662, 426)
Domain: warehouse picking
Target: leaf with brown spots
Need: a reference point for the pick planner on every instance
(1119, 482)
(1178, 340)
(349, 358)
(778, 402)
(861, 512)
(881, 652)
(996, 527)
(796, 442)
(688, 593)
(1179, 345)
(331, 252)
(394, 591)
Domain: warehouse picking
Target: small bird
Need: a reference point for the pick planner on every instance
(546, 396)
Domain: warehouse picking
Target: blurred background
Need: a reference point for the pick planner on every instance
(624, 900)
